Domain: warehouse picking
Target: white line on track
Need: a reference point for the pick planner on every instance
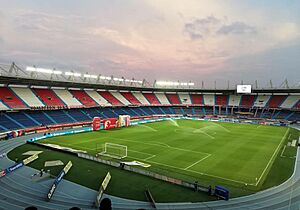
(197, 162)
(274, 155)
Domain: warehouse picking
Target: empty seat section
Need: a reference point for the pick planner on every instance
(261, 101)
(151, 98)
(173, 98)
(84, 98)
(197, 99)
(177, 110)
(120, 97)
(97, 98)
(23, 119)
(110, 98)
(209, 100)
(67, 98)
(40, 117)
(79, 115)
(162, 98)
(27, 96)
(48, 97)
(156, 110)
(276, 101)
(3, 106)
(10, 99)
(59, 116)
(131, 98)
(147, 110)
(7, 123)
(234, 100)
(110, 112)
(139, 96)
(92, 112)
(247, 100)
(221, 100)
(185, 98)
(290, 102)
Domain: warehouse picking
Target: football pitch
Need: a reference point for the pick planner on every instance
(233, 154)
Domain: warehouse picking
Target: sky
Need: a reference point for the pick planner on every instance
(185, 40)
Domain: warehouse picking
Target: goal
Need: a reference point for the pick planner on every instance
(117, 151)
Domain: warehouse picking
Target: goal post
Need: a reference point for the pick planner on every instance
(117, 151)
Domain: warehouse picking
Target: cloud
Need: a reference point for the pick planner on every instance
(211, 26)
(200, 28)
(236, 28)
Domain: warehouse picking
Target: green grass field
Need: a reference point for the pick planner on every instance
(245, 158)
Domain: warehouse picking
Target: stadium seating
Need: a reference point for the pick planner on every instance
(221, 100)
(48, 97)
(10, 99)
(209, 100)
(197, 99)
(261, 101)
(131, 98)
(110, 98)
(290, 102)
(173, 98)
(3, 106)
(234, 100)
(185, 98)
(139, 96)
(97, 98)
(120, 97)
(84, 98)
(161, 97)
(276, 101)
(247, 101)
(27, 96)
(151, 98)
(67, 98)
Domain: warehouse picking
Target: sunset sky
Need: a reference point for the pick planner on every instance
(156, 39)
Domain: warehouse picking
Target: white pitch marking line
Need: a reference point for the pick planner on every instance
(197, 162)
(281, 155)
(283, 138)
(149, 157)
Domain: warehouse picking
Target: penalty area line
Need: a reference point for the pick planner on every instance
(197, 162)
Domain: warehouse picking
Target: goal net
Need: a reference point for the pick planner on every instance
(117, 151)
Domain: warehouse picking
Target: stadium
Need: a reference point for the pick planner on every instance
(165, 141)
(214, 123)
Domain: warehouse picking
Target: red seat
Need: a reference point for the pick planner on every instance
(173, 98)
(131, 98)
(110, 98)
(151, 98)
(48, 97)
(84, 98)
(10, 99)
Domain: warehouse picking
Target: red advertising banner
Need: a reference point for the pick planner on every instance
(96, 123)
(109, 123)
